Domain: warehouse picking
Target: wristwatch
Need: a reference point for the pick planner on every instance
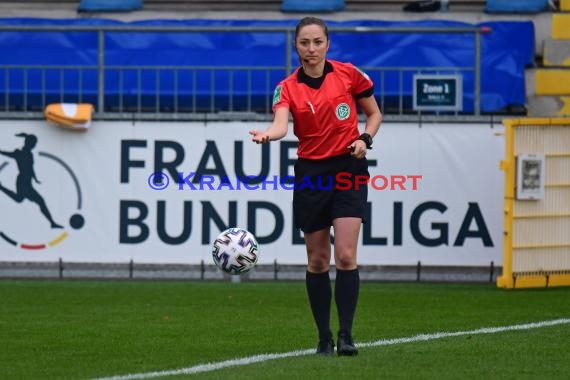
(367, 140)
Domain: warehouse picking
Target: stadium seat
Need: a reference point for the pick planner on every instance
(110, 5)
(549, 90)
(519, 6)
(312, 6)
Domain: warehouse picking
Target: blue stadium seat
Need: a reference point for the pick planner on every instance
(312, 6)
(110, 5)
(519, 6)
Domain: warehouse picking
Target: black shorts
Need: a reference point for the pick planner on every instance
(328, 189)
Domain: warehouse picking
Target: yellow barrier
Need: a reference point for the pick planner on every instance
(536, 244)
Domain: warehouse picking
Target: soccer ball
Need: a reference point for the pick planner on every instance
(235, 251)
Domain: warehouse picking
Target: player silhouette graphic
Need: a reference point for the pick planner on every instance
(24, 189)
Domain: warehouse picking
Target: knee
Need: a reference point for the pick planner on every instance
(318, 262)
(345, 260)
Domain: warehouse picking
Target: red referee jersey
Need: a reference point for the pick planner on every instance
(325, 119)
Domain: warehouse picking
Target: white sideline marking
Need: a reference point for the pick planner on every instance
(208, 367)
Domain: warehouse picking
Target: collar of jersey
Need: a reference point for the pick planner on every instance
(314, 83)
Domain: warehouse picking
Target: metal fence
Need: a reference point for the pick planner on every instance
(262, 272)
(186, 98)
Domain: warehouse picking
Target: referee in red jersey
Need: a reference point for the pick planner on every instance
(321, 95)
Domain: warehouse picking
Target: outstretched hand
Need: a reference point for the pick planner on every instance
(259, 137)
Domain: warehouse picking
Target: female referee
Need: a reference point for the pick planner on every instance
(321, 95)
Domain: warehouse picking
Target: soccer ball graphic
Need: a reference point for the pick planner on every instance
(235, 251)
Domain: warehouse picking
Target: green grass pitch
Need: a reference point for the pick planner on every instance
(88, 329)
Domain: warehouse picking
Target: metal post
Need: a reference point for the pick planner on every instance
(477, 79)
(275, 269)
(419, 271)
(101, 72)
(492, 271)
(131, 269)
(288, 52)
(60, 268)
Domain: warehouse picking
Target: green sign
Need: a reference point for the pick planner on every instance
(438, 93)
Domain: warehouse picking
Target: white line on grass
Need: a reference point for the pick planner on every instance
(208, 367)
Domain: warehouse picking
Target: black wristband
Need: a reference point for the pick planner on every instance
(367, 140)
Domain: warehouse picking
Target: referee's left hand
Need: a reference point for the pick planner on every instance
(358, 149)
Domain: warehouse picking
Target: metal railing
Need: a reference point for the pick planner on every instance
(176, 94)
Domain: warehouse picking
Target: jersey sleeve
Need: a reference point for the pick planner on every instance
(281, 97)
(361, 82)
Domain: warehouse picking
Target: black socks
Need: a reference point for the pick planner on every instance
(320, 296)
(346, 297)
(347, 286)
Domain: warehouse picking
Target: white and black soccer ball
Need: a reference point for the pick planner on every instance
(235, 251)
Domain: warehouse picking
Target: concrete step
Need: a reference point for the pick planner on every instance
(547, 92)
(548, 106)
(561, 26)
(556, 52)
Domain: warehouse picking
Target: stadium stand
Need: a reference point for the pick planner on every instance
(141, 53)
(469, 11)
(349, 5)
(548, 87)
(472, 12)
(237, 6)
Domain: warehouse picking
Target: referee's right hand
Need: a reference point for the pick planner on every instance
(259, 137)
